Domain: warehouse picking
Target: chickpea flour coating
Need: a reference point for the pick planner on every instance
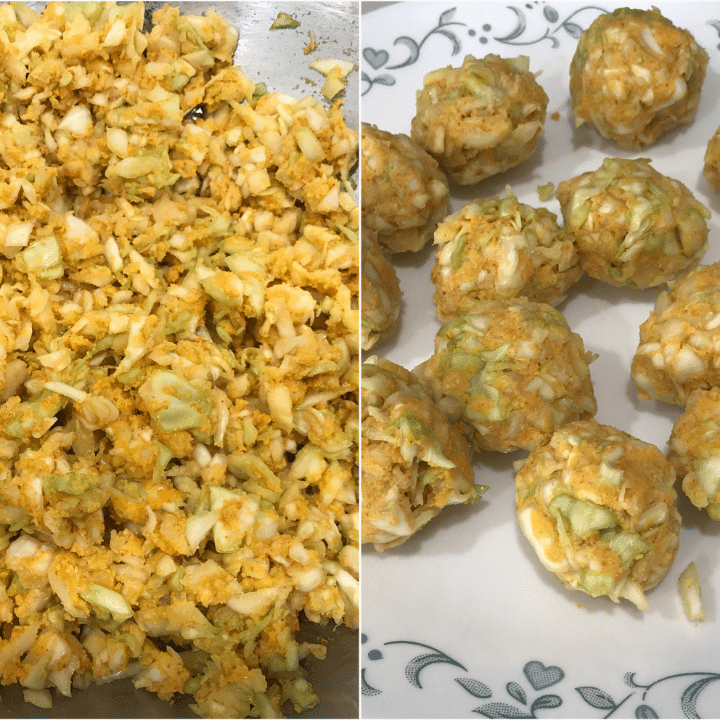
(679, 345)
(635, 76)
(404, 192)
(179, 333)
(694, 450)
(513, 371)
(598, 507)
(482, 118)
(381, 294)
(633, 226)
(501, 248)
(415, 461)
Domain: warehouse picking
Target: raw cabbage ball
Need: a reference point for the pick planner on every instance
(711, 166)
(633, 226)
(404, 192)
(598, 507)
(501, 248)
(415, 461)
(695, 450)
(679, 346)
(635, 75)
(482, 118)
(381, 294)
(513, 370)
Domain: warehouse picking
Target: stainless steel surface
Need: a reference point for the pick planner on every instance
(276, 58)
(335, 681)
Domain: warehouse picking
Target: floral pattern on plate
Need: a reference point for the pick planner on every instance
(557, 24)
(530, 700)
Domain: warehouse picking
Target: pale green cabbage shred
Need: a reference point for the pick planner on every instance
(179, 339)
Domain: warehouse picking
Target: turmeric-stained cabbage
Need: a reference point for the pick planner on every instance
(179, 324)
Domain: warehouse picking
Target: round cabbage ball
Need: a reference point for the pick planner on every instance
(380, 295)
(598, 507)
(635, 76)
(501, 248)
(513, 371)
(632, 225)
(404, 192)
(679, 346)
(711, 164)
(694, 450)
(482, 118)
(415, 460)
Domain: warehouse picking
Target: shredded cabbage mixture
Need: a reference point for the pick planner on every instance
(178, 363)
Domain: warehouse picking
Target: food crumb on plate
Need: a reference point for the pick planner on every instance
(690, 592)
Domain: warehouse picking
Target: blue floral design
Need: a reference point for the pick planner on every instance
(540, 677)
(448, 26)
(602, 700)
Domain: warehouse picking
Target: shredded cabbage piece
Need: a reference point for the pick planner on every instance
(689, 588)
(179, 340)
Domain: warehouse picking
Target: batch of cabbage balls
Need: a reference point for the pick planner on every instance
(507, 372)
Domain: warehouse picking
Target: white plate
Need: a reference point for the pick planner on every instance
(462, 620)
